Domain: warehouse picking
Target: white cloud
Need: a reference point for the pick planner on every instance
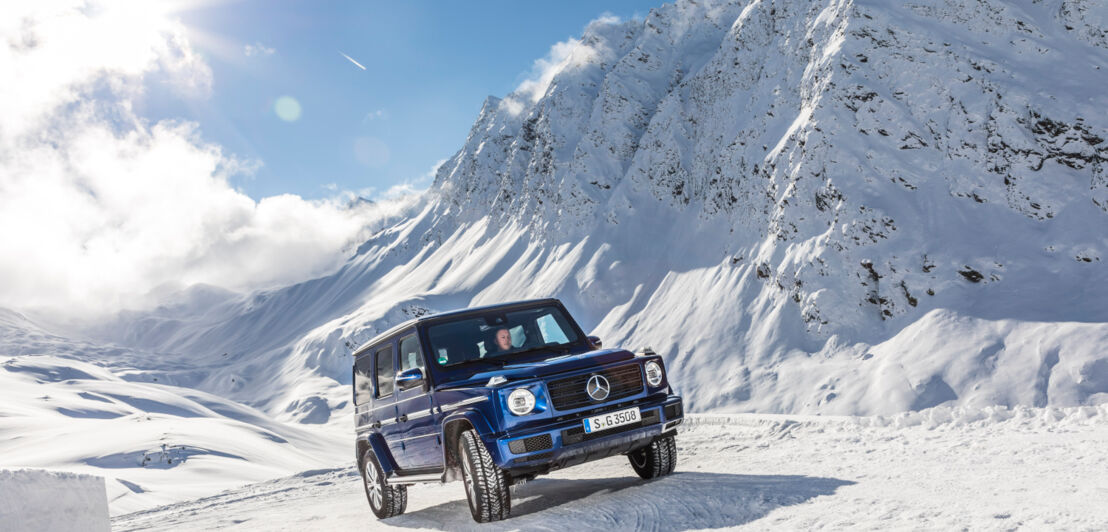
(397, 196)
(571, 53)
(99, 207)
(56, 51)
(512, 105)
(257, 49)
(415, 186)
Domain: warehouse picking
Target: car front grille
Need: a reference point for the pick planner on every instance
(569, 393)
(533, 458)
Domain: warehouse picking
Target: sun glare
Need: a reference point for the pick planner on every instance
(148, 20)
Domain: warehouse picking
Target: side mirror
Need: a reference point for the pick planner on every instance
(595, 342)
(409, 378)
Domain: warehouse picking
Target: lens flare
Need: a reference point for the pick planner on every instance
(287, 108)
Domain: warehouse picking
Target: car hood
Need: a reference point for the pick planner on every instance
(544, 367)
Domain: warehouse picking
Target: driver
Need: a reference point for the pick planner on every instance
(503, 339)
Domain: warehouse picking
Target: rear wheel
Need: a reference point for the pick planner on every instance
(486, 484)
(384, 500)
(655, 460)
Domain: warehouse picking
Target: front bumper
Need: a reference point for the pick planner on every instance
(565, 443)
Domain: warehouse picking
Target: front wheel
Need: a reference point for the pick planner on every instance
(486, 484)
(655, 460)
(384, 500)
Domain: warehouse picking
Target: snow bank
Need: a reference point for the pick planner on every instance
(36, 500)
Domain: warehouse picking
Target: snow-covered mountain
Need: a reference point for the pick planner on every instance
(841, 207)
(833, 206)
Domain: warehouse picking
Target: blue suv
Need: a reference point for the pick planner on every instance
(497, 395)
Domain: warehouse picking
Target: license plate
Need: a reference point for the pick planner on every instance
(612, 420)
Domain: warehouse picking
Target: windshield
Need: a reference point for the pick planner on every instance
(489, 337)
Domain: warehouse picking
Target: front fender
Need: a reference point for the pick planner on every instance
(452, 426)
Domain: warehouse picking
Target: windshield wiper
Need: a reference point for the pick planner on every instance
(561, 348)
(493, 360)
(507, 358)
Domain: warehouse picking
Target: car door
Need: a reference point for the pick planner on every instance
(417, 432)
(363, 394)
(384, 397)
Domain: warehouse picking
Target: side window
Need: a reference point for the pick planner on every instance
(385, 372)
(363, 383)
(410, 356)
(551, 331)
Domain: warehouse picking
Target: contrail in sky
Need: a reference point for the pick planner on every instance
(351, 59)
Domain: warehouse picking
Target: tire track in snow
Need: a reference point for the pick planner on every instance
(935, 469)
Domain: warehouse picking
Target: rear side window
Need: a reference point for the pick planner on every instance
(363, 380)
(409, 354)
(385, 372)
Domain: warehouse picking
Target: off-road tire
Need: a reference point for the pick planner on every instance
(486, 485)
(655, 460)
(391, 500)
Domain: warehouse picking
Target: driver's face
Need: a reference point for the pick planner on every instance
(504, 339)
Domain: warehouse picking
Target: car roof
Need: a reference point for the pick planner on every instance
(450, 314)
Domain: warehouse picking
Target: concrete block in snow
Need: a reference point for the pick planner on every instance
(37, 500)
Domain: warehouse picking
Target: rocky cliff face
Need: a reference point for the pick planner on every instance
(833, 206)
(854, 127)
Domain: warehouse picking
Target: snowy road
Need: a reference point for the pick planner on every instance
(936, 469)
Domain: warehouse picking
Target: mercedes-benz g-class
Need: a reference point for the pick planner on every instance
(500, 394)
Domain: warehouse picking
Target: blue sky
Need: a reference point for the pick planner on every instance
(145, 154)
(428, 68)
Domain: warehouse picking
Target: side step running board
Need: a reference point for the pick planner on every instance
(415, 479)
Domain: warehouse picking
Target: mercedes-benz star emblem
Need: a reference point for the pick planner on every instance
(598, 388)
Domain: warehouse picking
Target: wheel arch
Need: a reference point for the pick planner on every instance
(452, 428)
(375, 442)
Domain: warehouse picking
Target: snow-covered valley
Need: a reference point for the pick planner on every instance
(938, 469)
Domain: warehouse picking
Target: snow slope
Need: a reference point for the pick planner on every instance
(938, 469)
(153, 443)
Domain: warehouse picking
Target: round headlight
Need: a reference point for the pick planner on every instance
(521, 401)
(653, 373)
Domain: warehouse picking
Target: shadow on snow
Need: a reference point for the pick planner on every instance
(685, 500)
